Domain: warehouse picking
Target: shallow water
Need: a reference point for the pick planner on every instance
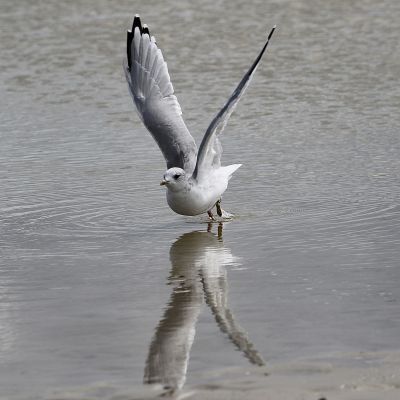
(101, 284)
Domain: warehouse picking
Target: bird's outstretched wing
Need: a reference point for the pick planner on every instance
(210, 148)
(152, 92)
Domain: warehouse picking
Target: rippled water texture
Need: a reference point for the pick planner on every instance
(103, 288)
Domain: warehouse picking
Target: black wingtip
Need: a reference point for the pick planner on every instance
(145, 30)
(253, 67)
(137, 23)
(129, 37)
(272, 31)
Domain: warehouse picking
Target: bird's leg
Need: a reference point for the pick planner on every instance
(221, 212)
(210, 215)
(218, 206)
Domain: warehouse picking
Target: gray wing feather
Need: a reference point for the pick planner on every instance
(206, 152)
(153, 94)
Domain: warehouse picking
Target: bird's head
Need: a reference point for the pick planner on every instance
(175, 179)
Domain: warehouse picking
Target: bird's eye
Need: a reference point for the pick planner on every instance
(176, 176)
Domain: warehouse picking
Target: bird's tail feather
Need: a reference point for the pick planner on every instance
(230, 169)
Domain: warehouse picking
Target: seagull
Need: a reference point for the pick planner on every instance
(195, 179)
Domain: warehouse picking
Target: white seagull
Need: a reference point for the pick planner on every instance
(195, 179)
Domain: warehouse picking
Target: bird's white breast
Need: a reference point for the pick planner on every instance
(199, 198)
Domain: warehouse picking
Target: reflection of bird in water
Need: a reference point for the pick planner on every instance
(198, 261)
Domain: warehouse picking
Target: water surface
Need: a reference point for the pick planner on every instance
(99, 280)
